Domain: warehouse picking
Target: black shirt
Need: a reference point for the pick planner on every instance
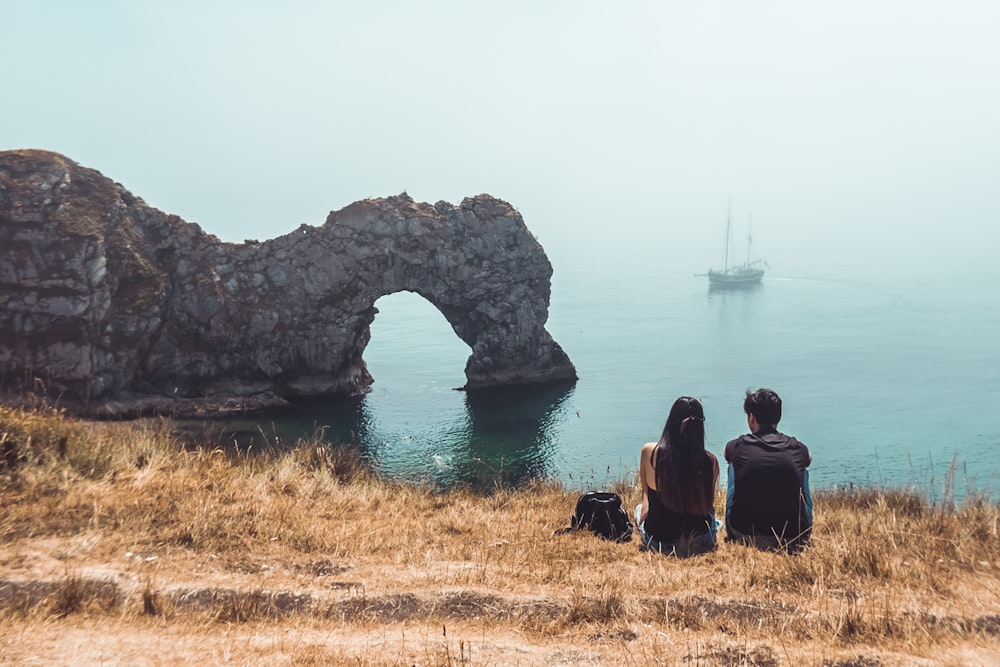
(667, 524)
(768, 492)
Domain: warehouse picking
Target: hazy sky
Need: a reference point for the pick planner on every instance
(859, 135)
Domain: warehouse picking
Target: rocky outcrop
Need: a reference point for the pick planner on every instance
(118, 308)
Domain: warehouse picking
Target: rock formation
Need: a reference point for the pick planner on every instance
(117, 308)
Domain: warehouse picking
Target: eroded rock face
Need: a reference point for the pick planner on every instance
(118, 308)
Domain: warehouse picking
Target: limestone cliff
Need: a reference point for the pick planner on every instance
(115, 307)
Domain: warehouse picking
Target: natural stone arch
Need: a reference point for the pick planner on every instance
(126, 308)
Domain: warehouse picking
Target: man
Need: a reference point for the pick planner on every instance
(767, 499)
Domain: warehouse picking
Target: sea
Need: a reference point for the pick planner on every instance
(891, 382)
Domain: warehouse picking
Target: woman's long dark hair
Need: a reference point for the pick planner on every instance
(684, 471)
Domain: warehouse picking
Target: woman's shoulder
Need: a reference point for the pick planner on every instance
(715, 466)
(646, 454)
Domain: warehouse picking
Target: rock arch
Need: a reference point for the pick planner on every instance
(125, 309)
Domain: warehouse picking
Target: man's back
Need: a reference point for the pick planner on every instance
(768, 491)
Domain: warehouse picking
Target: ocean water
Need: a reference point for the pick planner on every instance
(888, 382)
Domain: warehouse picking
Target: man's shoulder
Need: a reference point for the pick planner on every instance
(792, 441)
(733, 444)
(795, 448)
(797, 444)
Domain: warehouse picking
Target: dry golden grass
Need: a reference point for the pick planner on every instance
(121, 544)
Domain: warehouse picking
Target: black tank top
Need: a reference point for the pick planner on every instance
(667, 525)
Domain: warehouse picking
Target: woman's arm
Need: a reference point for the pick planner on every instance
(647, 476)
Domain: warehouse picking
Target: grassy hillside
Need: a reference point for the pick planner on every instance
(123, 544)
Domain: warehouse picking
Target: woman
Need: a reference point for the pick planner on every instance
(678, 478)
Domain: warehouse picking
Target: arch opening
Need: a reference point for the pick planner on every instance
(413, 347)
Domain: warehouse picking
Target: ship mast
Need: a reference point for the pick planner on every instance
(729, 214)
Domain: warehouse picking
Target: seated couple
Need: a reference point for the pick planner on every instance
(768, 504)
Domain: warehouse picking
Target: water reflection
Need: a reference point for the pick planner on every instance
(336, 422)
(493, 438)
(734, 288)
(514, 434)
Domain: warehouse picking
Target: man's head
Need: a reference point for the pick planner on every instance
(764, 405)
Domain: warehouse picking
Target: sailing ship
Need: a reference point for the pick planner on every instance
(737, 275)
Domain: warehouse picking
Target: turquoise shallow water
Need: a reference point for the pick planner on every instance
(887, 383)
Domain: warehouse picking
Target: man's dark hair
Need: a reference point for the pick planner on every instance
(764, 405)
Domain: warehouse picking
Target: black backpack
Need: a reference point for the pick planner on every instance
(601, 512)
